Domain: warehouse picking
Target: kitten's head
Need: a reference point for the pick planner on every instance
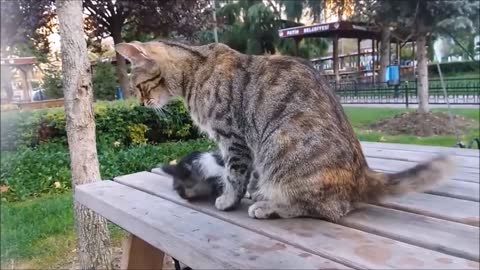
(187, 180)
(159, 69)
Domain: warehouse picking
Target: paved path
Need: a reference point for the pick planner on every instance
(413, 106)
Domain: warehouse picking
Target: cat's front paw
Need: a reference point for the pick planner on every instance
(261, 210)
(226, 202)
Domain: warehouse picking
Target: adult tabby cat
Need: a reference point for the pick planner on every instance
(276, 116)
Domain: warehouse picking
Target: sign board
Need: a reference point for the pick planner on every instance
(319, 28)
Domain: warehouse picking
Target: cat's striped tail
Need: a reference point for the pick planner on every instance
(419, 178)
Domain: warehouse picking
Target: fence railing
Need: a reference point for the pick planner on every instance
(459, 91)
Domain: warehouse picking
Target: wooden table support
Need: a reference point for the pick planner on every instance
(140, 255)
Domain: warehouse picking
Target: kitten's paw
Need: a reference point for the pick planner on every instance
(226, 202)
(262, 210)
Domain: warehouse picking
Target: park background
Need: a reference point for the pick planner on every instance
(35, 181)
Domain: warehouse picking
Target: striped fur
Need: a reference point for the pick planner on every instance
(270, 114)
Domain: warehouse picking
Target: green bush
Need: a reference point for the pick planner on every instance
(104, 81)
(117, 122)
(52, 83)
(455, 67)
(44, 169)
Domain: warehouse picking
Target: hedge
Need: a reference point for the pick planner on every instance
(44, 169)
(117, 123)
(455, 67)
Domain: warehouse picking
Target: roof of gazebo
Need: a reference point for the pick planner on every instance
(341, 29)
(18, 61)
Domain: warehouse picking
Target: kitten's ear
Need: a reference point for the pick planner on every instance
(134, 53)
(170, 169)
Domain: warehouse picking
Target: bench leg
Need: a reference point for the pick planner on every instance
(140, 255)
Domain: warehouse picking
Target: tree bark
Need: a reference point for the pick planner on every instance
(384, 51)
(422, 67)
(93, 241)
(121, 65)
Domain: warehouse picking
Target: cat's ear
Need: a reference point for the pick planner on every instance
(134, 53)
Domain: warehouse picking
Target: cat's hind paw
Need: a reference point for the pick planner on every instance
(262, 210)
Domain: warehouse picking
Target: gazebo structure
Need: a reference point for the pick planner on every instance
(25, 67)
(351, 30)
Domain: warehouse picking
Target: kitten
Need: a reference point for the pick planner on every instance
(276, 116)
(197, 176)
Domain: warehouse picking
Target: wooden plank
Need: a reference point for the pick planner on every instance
(348, 246)
(462, 174)
(457, 210)
(408, 164)
(444, 236)
(458, 189)
(423, 148)
(140, 255)
(455, 189)
(462, 161)
(198, 240)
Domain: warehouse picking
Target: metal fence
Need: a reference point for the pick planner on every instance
(459, 91)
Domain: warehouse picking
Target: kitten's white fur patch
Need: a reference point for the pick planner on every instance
(209, 166)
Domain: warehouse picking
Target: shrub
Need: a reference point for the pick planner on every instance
(136, 133)
(44, 169)
(104, 81)
(120, 122)
(455, 67)
(52, 83)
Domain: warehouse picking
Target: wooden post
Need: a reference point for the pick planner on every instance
(413, 58)
(373, 60)
(26, 83)
(297, 42)
(29, 77)
(358, 55)
(335, 58)
(397, 52)
(140, 255)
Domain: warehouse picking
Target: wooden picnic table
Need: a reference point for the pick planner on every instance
(438, 229)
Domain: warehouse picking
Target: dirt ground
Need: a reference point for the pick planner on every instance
(414, 123)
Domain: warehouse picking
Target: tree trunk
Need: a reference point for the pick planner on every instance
(384, 51)
(93, 241)
(121, 65)
(422, 68)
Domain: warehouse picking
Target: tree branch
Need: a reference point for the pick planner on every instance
(275, 10)
(458, 43)
(98, 16)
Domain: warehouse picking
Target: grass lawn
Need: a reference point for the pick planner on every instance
(39, 233)
(360, 117)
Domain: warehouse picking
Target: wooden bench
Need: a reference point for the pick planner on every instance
(434, 230)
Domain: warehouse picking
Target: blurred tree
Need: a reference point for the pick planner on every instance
(251, 26)
(143, 19)
(31, 22)
(423, 18)
(93, 239)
